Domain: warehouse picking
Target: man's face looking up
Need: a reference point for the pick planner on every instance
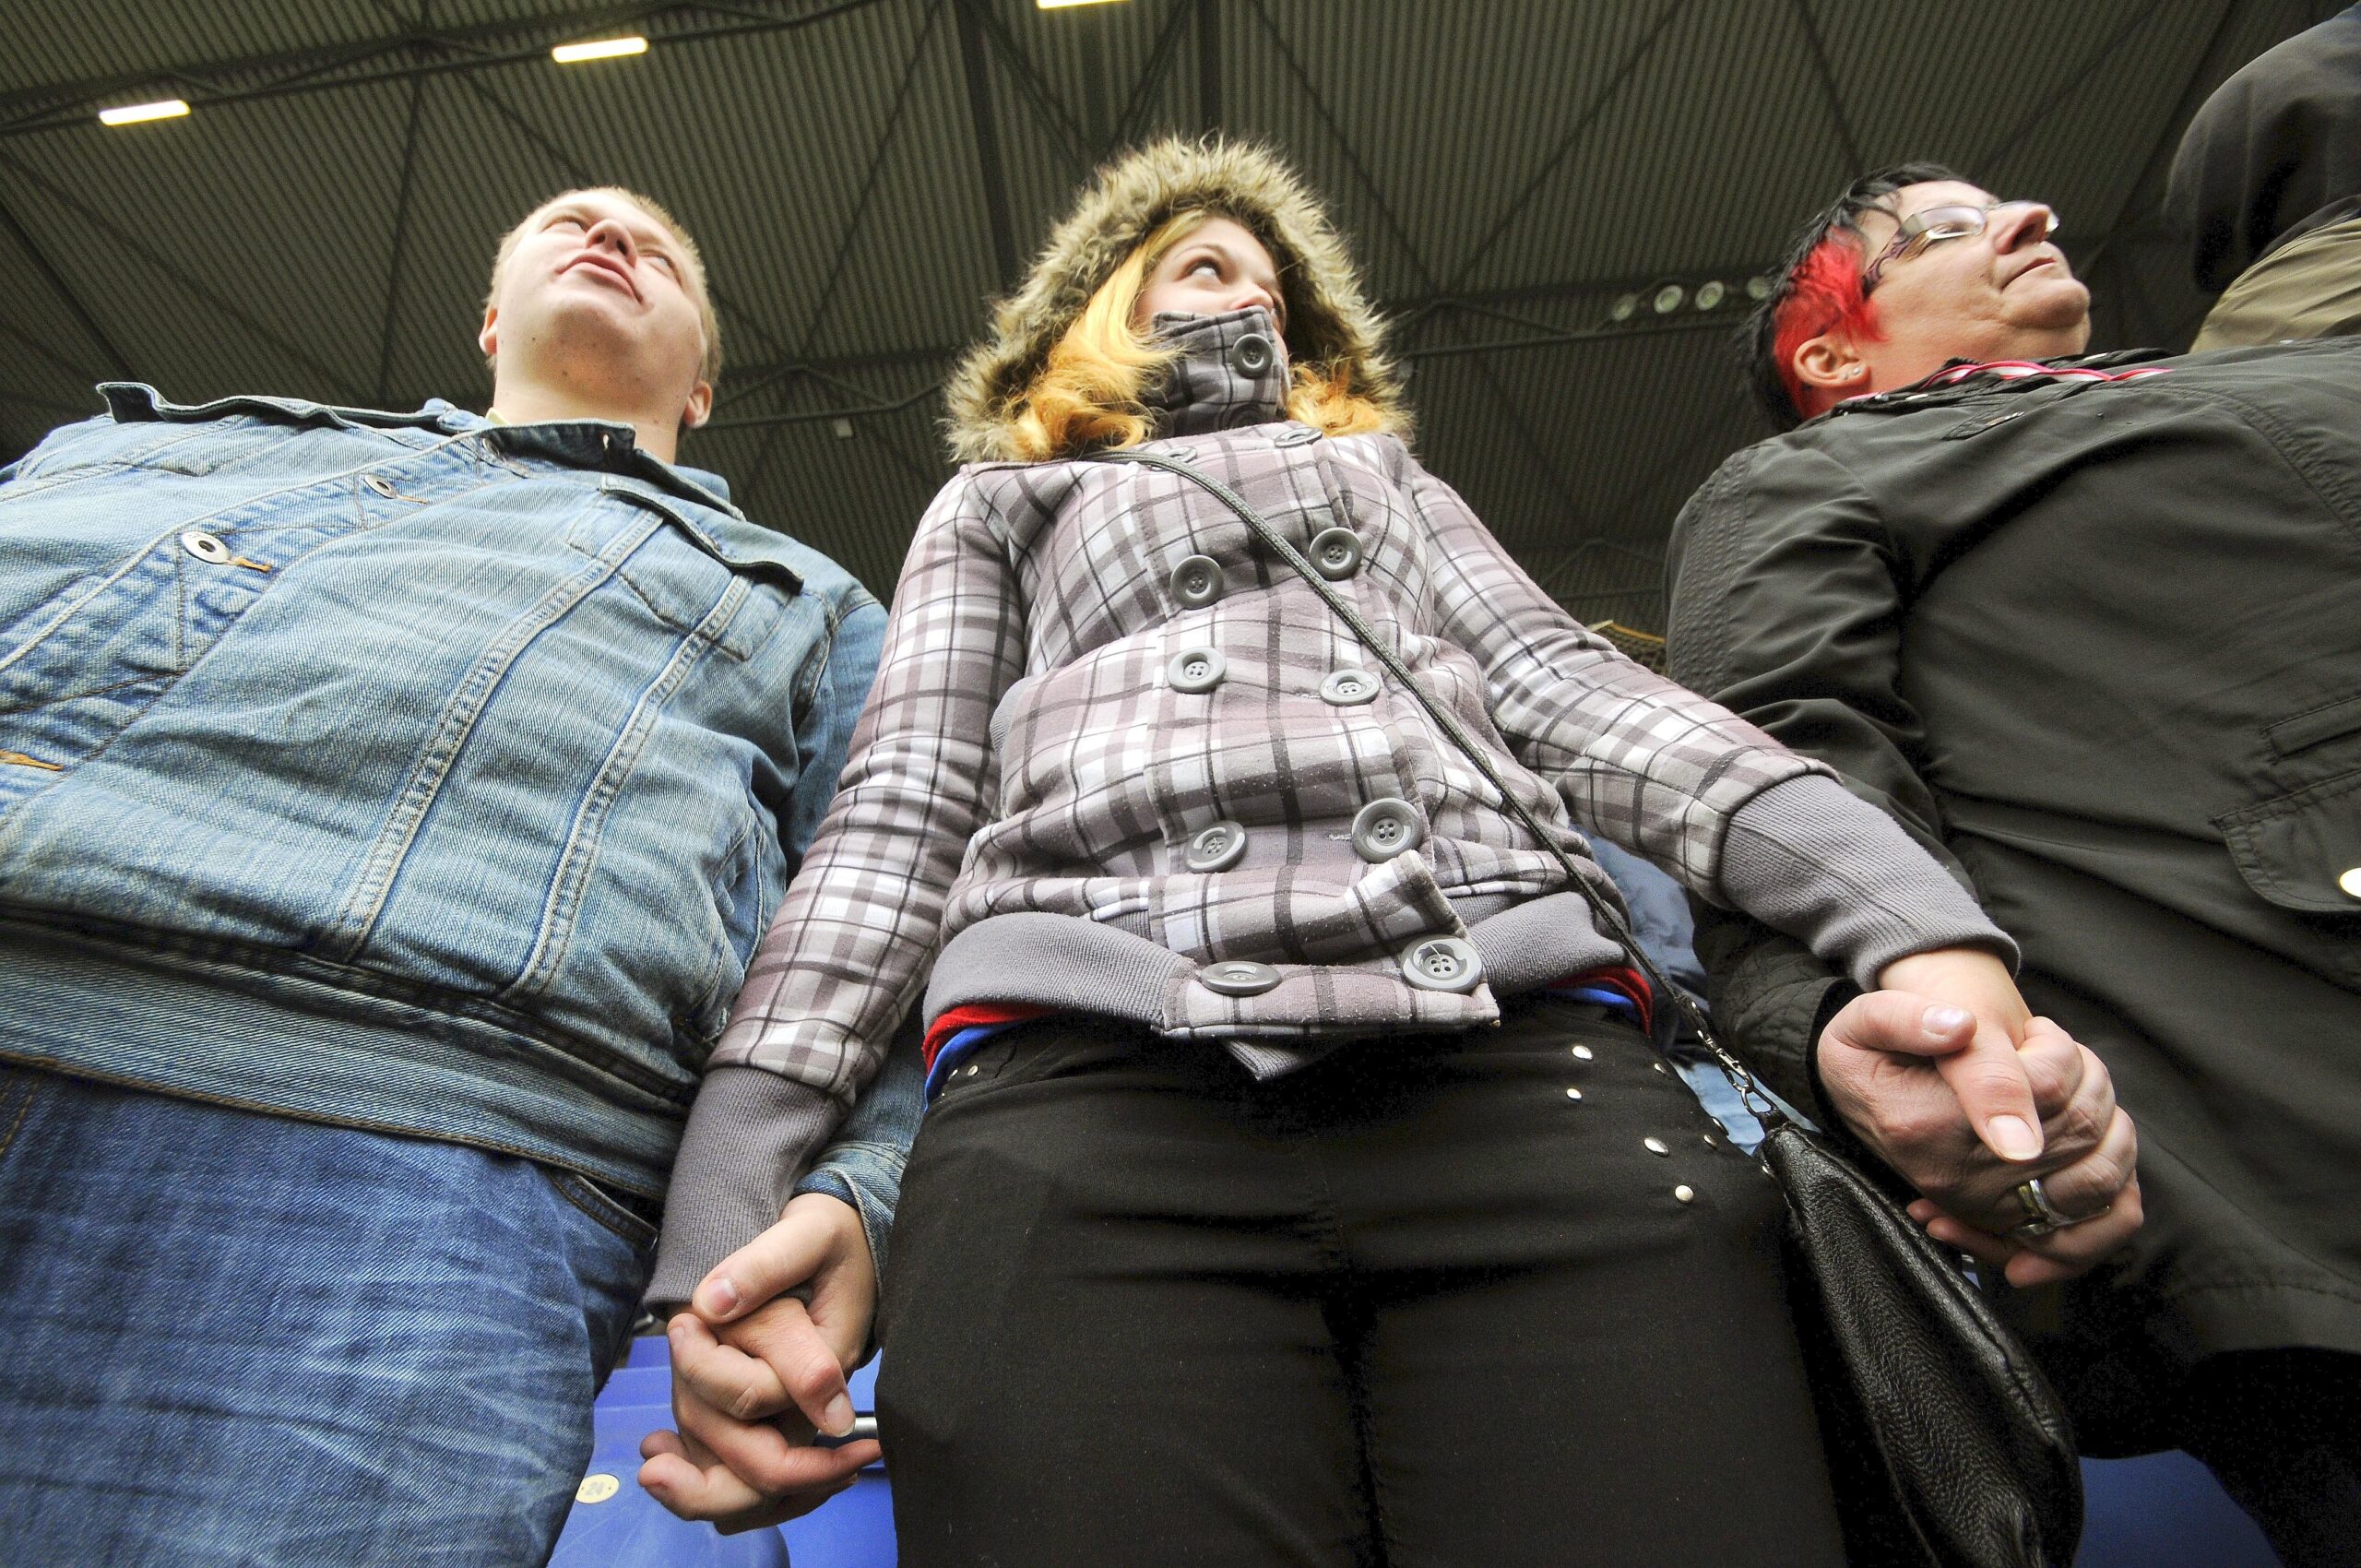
(598, 296)
(2004, 294)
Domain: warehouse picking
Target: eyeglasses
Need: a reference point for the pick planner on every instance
(1935, 224)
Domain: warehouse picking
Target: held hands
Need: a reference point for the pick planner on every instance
(1950, 1080)
(755, 1372)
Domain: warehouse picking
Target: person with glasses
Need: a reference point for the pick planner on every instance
(2084, 624)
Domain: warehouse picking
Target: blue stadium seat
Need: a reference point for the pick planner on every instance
(2164, 1511)
(625, 1527)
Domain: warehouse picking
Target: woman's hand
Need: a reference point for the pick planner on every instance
(1985, 1072)
(756, 1370)
(1921, 1079)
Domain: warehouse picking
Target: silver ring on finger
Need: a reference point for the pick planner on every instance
(2042, 1217)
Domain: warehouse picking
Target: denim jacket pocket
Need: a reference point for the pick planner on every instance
(742, 547)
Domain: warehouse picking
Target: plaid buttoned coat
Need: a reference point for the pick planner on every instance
(1033, 751)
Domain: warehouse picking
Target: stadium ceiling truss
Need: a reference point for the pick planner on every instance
(1446, 314)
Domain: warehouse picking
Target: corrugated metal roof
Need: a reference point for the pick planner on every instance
(1508, 170)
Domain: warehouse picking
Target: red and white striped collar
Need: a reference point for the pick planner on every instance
(2018, 370)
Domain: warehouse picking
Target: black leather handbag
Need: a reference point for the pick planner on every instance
(1946, 1442)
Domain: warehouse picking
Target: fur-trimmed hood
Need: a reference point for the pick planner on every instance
(1330, 322)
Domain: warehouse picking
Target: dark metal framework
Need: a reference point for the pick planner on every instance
(787, 386)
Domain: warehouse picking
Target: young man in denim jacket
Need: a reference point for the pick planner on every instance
(388, 804)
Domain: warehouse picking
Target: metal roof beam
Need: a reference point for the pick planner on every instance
(869, 178)
(1566, 144)
(401, 236)
(1208, 66)
(118, 363)
(1159, 62)
(487, 46)
(1051, 109)
(977, 66)
(1512, 413)
(57, 361)
(1853, 160)
(2007, 141)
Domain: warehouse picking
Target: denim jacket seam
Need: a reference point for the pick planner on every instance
(586, 832)
(835, 607)
(348, 930)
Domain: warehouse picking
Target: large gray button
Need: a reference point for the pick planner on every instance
(1335, 554)
(1196, 582)
(1251, 355)
(1237, 976)
(204, 547)
(1218, 848)
(1347, 688)
(1197, 670)
(1295, 435)
(1384, 829)
(1442, 963)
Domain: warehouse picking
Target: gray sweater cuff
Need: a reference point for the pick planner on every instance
(1839, 875)
(750, 1134)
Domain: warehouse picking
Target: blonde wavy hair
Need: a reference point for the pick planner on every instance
(1090, 393)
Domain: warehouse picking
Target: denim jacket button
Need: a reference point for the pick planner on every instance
(1218, 848)
(1385, 829)
(1335, 554)
(205, 548)
(1348, 688)
(1237, 976)
(1197, 670)
(1196, 582)
(1443, 963)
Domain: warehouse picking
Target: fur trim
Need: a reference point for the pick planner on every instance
(1329, 320)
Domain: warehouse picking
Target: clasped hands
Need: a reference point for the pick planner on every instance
(1947, 1077)
(1942, 1073)
(757, 1370)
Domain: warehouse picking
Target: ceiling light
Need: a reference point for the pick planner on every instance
(599, 49)
(1710, 294)
(1757, 288)
(1669, 299)
(134, 114)
(1062, 5)
(1624, 307)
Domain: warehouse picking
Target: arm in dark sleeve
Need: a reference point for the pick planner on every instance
(1785, 607)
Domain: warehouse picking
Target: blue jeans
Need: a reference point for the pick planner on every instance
(228, 1337)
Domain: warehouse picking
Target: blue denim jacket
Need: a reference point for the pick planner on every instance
(400, 770)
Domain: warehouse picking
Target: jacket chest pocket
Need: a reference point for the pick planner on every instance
(678, 572)
(2301, 853)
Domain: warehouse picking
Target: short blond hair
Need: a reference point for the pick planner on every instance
(709, 364)
(1090, 391)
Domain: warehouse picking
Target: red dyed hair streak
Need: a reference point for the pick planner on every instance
(1825, 294)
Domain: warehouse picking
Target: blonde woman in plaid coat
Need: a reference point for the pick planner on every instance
(1298, 1184)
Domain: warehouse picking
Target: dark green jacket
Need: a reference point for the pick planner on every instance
(2099, 646)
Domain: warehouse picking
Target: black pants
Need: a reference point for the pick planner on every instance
(1415, 1305)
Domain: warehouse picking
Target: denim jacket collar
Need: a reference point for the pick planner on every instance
(582, 444)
